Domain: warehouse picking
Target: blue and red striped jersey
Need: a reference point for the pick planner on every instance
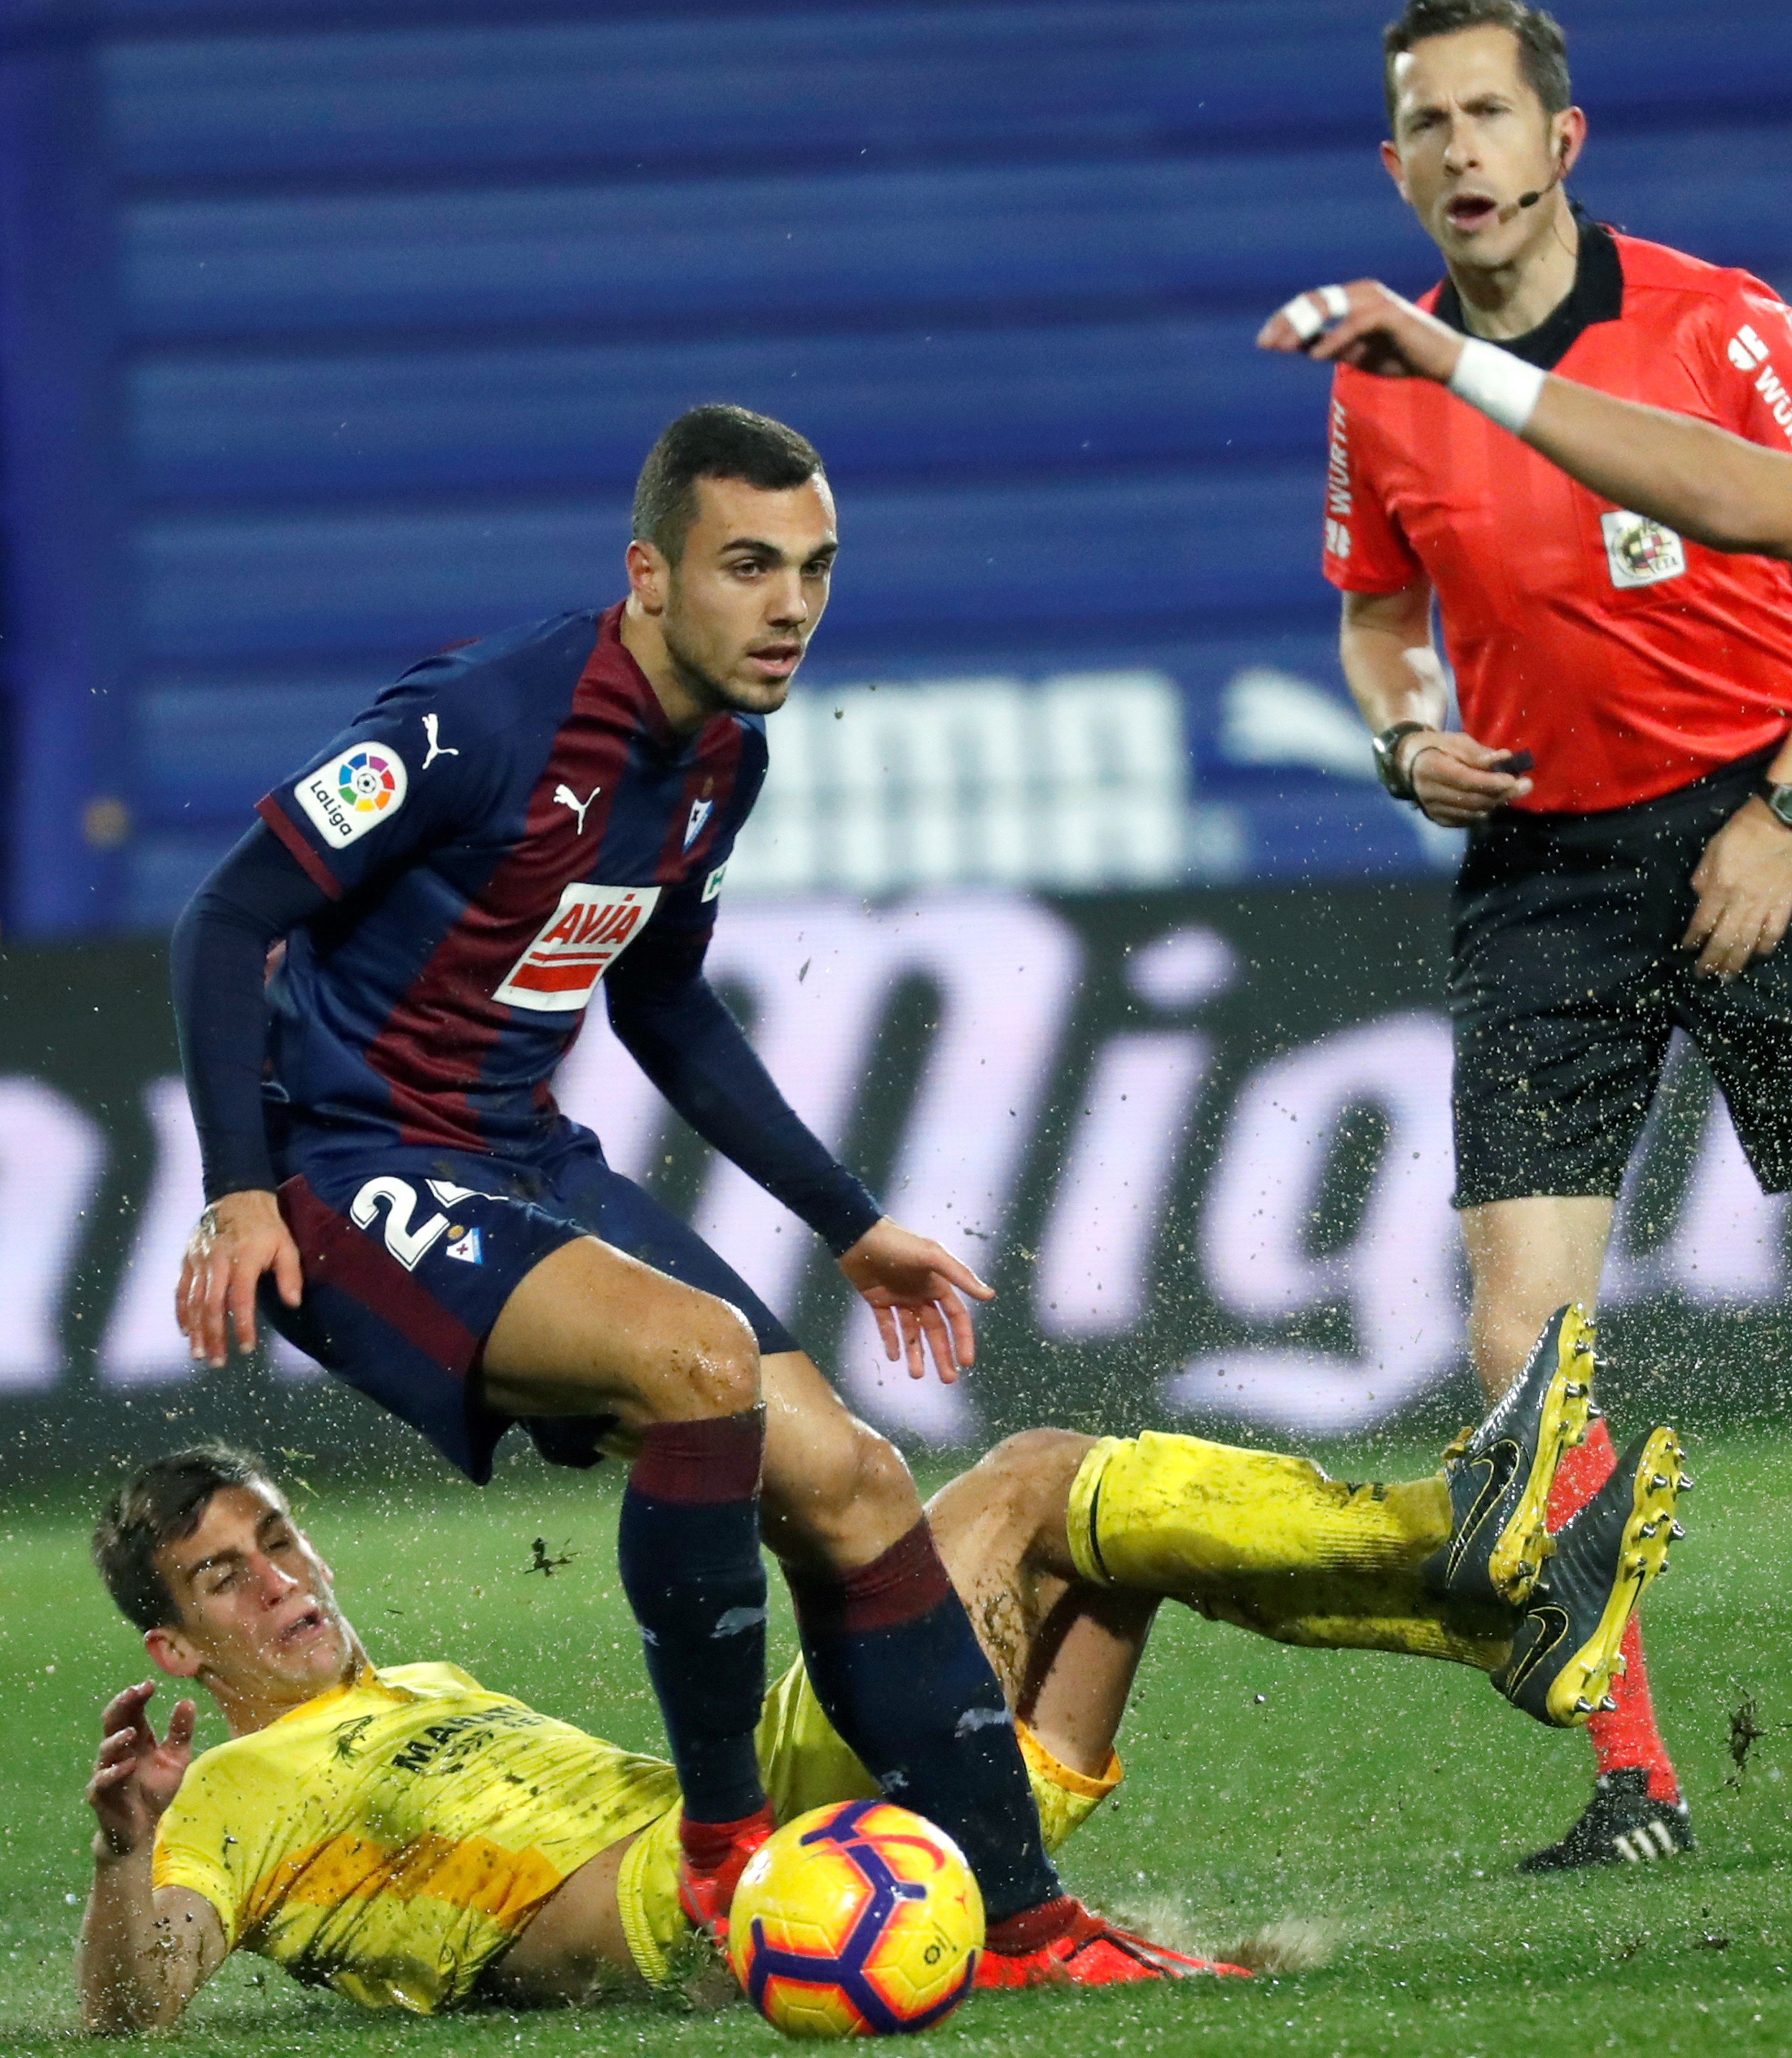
(491, 835)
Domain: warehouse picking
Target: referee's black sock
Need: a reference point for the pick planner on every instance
(899, 1672)
(687, 1550)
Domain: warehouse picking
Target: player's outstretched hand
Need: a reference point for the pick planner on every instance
(914, 1287)
(235, 1241)
(135, 1777)
(1364, 325)
(1744, 884)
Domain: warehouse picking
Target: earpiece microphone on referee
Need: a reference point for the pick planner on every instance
(1560, 172)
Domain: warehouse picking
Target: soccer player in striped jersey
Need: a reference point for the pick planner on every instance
(510, 825)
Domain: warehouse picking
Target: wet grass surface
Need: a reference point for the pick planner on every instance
(1374, 1805)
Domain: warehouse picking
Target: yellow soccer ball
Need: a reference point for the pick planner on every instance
(856, 1919)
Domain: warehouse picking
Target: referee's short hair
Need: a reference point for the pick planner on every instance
(1543, 48)
(714, 442)
(164, 1503)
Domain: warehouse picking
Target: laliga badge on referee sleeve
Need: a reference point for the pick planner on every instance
(1641, 552)
(355, 792)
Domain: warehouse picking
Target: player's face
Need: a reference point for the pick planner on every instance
(258, 1616)
(743, 601)
(1470, 137)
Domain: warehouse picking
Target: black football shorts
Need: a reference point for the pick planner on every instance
(1566, 981)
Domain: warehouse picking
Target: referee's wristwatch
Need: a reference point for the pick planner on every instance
(1386, 747)
(1779, 801)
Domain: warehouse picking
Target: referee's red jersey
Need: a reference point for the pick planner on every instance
(1628, 659)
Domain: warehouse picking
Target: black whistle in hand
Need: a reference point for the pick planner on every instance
(1515, 766)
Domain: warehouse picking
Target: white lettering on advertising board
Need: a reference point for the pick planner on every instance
(819, 979)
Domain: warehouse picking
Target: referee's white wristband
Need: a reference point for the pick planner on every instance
(1503, 388)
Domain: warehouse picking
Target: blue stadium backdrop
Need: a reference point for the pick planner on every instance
(333, 331)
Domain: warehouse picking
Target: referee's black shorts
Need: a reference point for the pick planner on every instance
(1566, 980)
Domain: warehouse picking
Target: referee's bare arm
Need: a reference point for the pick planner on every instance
(1392, 668)
(1719, 489)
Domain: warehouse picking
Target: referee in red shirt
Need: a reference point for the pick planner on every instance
(1623, 766)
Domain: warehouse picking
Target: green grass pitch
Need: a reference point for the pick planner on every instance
(1379, 1801)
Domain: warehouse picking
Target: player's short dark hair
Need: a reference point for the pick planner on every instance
(159, 1504)
(1542, 48)
(714, 442)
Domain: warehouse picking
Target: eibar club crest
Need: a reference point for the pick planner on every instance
(1641, 552)
(699, 812)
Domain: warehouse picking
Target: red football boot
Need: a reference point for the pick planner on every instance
(713, 1856)
(1064, 1943)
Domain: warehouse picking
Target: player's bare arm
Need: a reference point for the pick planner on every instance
(236, 1240)
(145, 1952)
(1718, 488)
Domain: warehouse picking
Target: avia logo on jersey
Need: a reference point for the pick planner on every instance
(1641, 552)
(356, 793)
(589, 931)
(699, 812)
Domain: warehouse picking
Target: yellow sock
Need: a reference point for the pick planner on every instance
(1164, 1513)
(1271, 1544)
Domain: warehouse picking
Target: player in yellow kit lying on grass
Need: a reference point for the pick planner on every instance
(411, 1839)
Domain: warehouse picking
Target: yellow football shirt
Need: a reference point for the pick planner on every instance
(389, 1837)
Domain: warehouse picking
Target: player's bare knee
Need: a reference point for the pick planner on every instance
(713, 1369)
(882, 1479)
(1032, 1472)
(856, 1498)
(1031, 1453)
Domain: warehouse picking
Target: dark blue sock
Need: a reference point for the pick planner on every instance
(688, 1549)
(899, 1672)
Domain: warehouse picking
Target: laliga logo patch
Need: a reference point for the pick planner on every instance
(354, 794)
(1641, 552)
